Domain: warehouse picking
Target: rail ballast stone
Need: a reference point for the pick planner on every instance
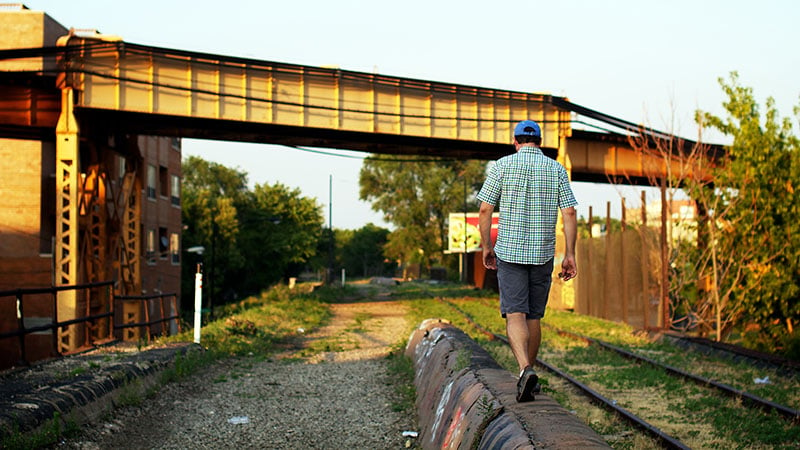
(466, 400)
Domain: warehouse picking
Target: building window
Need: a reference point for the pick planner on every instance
(175, 143)
(150, 247)
(163, 181)
(151, 181)
(175, 248)
(175, 190)
(163, 243)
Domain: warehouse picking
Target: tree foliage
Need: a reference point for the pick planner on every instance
(252, 238)
(280, 231)
(755, 219)
(417, 197)
(211, 195)
(360, 252)
(742, 272)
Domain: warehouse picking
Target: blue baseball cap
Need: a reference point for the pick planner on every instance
(527, 128)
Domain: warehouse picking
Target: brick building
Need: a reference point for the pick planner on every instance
(128, 212)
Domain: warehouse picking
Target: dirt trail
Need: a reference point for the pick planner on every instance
(329, 391)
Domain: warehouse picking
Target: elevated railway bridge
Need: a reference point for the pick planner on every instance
(91, 93)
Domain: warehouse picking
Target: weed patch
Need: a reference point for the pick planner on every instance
(48, 434)
(400, 375)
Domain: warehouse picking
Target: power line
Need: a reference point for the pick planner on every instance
(371, 157)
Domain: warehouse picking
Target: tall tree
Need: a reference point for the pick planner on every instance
(252, 239)
(743, 271)
(417, 196)
(362, 254)
(210, 198)
(280, 233)
(756, 188)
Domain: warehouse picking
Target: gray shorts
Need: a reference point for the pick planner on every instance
(524, 287)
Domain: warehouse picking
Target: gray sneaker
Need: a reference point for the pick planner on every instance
(526, 385)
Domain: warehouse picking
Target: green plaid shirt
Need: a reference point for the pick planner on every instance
(531, 189)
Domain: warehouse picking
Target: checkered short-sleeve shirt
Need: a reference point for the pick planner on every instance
(531, 189)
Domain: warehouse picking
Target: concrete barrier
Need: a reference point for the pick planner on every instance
(466, 400)
(78, 388)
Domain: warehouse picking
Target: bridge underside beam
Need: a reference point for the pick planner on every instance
(228, 130)
(606, 158)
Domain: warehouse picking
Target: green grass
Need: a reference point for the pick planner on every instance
(47, 435)
(131, 394)
(400, 376)
(256, 325)
(358, 323)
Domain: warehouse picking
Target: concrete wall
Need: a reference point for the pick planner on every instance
(25, 28)
(466, 400)
(25, 255)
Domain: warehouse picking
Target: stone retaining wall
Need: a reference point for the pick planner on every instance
(80, 388)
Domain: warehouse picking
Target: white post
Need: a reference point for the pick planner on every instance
(342, 277)
(198, 297)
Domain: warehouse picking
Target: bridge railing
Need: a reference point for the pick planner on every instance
(98, 327)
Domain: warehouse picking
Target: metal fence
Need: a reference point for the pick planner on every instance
(98, 328)
(146, 305)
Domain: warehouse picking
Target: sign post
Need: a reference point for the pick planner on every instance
(198, 301)
(198, 292)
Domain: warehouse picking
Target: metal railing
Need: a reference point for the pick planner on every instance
(90, 322)
(147, 324)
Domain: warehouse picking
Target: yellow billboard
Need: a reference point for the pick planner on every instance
(463, 232)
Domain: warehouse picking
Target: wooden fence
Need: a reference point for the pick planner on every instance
(621, 272)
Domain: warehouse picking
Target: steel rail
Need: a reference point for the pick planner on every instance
(783, 365)
(752, 400)
(665, 439)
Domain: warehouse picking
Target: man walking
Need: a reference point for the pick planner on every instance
(530, 188)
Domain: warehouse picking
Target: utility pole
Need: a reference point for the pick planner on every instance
(464, 265)
(329, 275)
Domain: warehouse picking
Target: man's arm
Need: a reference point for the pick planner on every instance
(485, 225)
(569, 268)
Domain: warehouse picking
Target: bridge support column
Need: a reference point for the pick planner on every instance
(66, 245)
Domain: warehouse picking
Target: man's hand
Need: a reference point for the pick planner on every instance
(569, 269)
(489, 259)
(485, 225)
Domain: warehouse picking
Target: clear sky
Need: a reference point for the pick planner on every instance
(645, 61)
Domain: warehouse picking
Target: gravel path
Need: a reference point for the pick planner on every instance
(299, 399)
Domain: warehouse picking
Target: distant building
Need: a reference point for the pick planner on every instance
(682, 219)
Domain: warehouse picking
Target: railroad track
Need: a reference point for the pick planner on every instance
(748, 398)
(666, 440)
(758, 359)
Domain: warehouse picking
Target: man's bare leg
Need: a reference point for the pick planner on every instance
(519, 338)
(534, 339)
